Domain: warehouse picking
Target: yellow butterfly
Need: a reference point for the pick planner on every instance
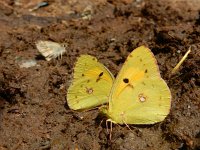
(138, 95)
(91, 84)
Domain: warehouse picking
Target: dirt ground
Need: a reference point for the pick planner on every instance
(33, 111)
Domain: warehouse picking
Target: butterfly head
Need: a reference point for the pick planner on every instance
(104, 110)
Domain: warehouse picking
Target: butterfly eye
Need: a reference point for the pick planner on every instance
(126, 80)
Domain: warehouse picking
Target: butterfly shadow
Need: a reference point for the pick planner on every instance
(39, 57)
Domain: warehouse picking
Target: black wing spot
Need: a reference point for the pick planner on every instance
(88, 81)
(126, 80)
(82, 75)
(93, 59)
(76, 96)
(146, 71)
(99, 77)
(100, 74)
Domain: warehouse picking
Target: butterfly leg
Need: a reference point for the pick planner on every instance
(107, 126)
(110, 134)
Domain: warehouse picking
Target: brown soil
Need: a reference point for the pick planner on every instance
(33, 110)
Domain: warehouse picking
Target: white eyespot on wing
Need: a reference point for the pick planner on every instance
(142, 98)
(89, 90)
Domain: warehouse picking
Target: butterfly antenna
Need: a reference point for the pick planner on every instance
(127, 126)
(181, 61)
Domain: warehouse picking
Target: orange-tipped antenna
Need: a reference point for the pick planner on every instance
(175, 69)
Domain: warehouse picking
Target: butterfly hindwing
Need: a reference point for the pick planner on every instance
(91, 84)
(139, 95)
